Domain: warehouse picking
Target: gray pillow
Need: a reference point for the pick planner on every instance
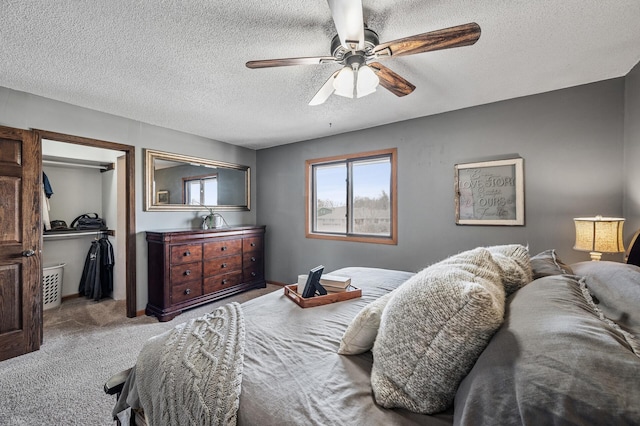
(616, 288)
(548, 263)
(515, 266)
(555, 360)
(433, 329)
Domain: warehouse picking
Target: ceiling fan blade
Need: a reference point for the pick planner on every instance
(268, 63)
(461, 35)
(349, 22)
(325, 91)
(392, 81)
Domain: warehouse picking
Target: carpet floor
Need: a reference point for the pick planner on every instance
(85, 343)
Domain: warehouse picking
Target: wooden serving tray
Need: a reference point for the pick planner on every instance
(291, 292)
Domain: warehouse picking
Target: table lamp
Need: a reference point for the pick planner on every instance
(599, 235)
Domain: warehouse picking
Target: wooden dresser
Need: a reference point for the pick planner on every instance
(188, 268)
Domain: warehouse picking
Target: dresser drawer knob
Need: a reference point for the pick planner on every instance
(187, 253)
(224, 281)
(223, 248)
(253, 244)
(253, 259)
(224, 265)
(187, 291)
(253, 274)
(187, 272)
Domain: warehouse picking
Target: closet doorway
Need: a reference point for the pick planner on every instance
(126, 232)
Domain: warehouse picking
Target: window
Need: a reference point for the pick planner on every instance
(201, 190)
(353, 197)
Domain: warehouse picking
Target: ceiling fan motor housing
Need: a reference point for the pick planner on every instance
(340, 52)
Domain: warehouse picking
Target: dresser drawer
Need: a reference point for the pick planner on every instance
(251, 259)
(252, 267)
(252, 274)
(186, 253)
(186, 272)
(222, 265)
(253, 244)
(220, 282)
(222, 248)
(185, 291)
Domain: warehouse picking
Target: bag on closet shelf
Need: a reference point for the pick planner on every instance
(88, 221)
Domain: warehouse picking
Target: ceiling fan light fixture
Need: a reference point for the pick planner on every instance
(355, 45)
(367, 81)
(343, 83)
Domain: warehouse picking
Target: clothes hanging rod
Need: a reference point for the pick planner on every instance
(102, 167)
(77, 234)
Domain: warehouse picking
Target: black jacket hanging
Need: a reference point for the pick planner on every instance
(97, 276)
(90, 280)
(106, 266)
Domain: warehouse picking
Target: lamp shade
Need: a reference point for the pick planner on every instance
(343, 83)
(599, 235)
(367, 81)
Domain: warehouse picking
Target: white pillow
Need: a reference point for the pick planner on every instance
(361, 333)
(433, 329)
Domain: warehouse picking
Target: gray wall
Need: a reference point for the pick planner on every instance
(25, 111)
(572, 143)
(632, 150)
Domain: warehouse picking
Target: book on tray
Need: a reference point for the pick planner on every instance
(332, 283)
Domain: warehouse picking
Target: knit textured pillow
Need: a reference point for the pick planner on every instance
(515, 266)
(362, 331)
(433, 330)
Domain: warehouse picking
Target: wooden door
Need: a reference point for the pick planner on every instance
(20, 240)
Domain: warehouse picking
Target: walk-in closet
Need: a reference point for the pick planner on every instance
(81, 180)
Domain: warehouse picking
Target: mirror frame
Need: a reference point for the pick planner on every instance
(150, 205)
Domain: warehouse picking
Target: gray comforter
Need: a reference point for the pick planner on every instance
(561, 357)
(293, 374)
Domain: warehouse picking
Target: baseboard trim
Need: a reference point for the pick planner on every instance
(70, 296)
(140, 313)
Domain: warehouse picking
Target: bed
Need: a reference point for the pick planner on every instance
(523, 340)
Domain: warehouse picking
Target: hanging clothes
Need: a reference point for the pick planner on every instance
(97, 276)
(90, 280)
(46, 221)
(47, 192)
(106, 266)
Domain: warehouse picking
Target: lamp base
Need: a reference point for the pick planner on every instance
(595, 256)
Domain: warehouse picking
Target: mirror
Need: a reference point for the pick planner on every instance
(180, 182)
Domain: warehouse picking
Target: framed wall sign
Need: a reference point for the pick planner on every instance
(490, 193)
(162, 197)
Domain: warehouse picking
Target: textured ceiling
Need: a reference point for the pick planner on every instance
(180, 64)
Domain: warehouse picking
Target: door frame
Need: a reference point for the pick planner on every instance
(130, 204)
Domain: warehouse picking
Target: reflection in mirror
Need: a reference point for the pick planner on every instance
(179, 182)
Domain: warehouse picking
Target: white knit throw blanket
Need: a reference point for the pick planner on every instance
(191, 375)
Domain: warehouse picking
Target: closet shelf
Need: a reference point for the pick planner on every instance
(53, 161)
(75, 234)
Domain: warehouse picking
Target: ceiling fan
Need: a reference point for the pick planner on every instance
(358, 49)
